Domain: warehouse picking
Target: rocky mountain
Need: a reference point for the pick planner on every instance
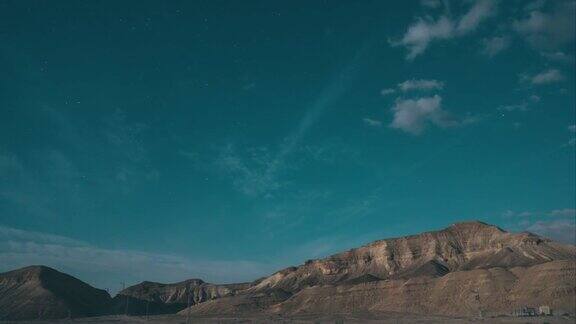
(39, 292)
(462, 246)
(433, 272)
(157, 298)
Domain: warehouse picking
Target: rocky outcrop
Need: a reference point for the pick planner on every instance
(491, 291)
(39, 292)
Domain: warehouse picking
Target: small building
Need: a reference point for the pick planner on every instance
(525, 312)
(544, 310)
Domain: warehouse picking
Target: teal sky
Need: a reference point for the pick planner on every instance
(228, 139)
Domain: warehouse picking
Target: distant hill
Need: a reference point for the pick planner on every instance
(39, 292)
(157, 298)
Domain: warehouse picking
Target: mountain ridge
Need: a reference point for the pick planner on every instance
(405, 270)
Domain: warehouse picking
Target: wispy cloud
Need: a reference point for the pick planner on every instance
(259, 176)
(431, 3)
(253, 171)
(572, 130)
(511, 213)
(420, 84)
(495, 45)
(566, 212)
(549, 30)
(481, 10)
(558, 56)
(106, 268)
(9, 164)
(516, 107)
(372, 122)
(387, 91)
(544, 77)
(521, 107)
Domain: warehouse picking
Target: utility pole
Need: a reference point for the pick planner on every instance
(126, 309)
(147, 304)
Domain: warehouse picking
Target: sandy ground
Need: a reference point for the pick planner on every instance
(336, 319)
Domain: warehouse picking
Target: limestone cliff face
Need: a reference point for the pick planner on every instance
(464, 269)
(462, 246)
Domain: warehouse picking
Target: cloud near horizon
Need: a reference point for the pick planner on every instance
(556, 224)
(106, 268)
(561, 230)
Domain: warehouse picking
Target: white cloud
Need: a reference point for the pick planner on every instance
(419, 35)
(544, 77)
(481, 10)
(105, 268)
(421, 84)
(495, 45)
(426, 30)
(372, 122)
(414, 115)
